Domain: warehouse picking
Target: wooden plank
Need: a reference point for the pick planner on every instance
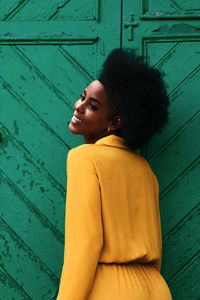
(186, 51)
(184, 104)
(76, 10)
(26, 268)
(169, 163)
(59, 32)
(185, 285)
(34, 135)
(36, 184)
(109, 32)
(28, 222)
(167, 7)
(7, 7)
(156, 52)
(181, 244)
(35, 110)
(38, 87)
(62, 10)
(65, 74)
(34, 10)
(176, 203)
(172, 46)
(10, 289)
(85, 56)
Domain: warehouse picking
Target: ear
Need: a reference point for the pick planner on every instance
(115, 123)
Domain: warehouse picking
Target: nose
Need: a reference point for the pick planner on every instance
(79, 106)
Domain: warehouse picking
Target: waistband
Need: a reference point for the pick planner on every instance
(129, 263)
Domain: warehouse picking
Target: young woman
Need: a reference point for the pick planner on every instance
(113, 235)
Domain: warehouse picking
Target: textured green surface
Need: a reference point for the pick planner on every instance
(168, 36)
(49, 51)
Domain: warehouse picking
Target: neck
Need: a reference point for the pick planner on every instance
(93, 140)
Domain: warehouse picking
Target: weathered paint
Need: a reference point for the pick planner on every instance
(168, 35)
(49, 52)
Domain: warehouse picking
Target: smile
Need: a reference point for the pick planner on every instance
(76, 120)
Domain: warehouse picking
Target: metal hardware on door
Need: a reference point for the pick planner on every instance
(130, 26)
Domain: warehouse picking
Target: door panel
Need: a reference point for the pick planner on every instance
(156, 7)
(49, 52)
(167, 34)
(51, 10)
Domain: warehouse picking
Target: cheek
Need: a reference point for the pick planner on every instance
(101, 122)
(98, 118)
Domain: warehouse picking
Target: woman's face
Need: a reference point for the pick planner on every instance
(91, 114)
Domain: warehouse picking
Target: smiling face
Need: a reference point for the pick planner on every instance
(92, 114)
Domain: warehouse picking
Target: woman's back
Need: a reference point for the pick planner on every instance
(112, 211)
(129, 199)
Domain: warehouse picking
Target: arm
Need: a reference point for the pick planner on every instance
(83, 227)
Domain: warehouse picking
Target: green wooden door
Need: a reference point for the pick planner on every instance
(49, 51)
(167, 33)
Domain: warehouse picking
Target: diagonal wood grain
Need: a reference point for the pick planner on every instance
(175, 251)
(15, 256)
(57, 11)
(49, 52)
(42, 10)
(174, 154)
(180, 200)
(49, 10)
(7, 7)
(9, 287)
(189, 275)
(163, 163)
(184, 103)
(34, 224)
(171, 6)
(42, 144)
(40, 187)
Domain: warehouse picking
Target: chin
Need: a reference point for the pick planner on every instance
(73, 130)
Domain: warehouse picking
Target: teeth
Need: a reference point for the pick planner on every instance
(76, 119)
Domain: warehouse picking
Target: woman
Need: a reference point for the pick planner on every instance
(112, 234)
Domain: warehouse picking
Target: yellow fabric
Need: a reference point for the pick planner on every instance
(128, 282)
(112, 214)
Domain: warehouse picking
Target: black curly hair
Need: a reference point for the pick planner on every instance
(136, 92)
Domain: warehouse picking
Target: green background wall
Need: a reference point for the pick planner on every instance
(49, 51)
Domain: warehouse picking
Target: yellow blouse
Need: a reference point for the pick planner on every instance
(112, 213)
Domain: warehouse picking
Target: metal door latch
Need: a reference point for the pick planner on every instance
(130, 26)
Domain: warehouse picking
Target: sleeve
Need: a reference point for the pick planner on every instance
(156, 192)
(83, 227)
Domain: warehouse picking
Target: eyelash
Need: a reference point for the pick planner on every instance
(93, 107)
(82, 97)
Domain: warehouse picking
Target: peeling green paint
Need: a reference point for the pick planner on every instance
(4, 142)
(34, 142)
(42, 189)
(176, 29)
(31, 184)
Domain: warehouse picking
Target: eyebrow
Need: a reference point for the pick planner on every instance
(93, 99)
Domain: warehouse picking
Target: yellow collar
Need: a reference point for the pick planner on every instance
(113, 140)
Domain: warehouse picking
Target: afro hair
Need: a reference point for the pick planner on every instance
(137, 93)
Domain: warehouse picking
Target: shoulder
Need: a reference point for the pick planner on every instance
(81, 157)
(82, 151)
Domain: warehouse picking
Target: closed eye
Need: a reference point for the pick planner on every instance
(93, 107)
